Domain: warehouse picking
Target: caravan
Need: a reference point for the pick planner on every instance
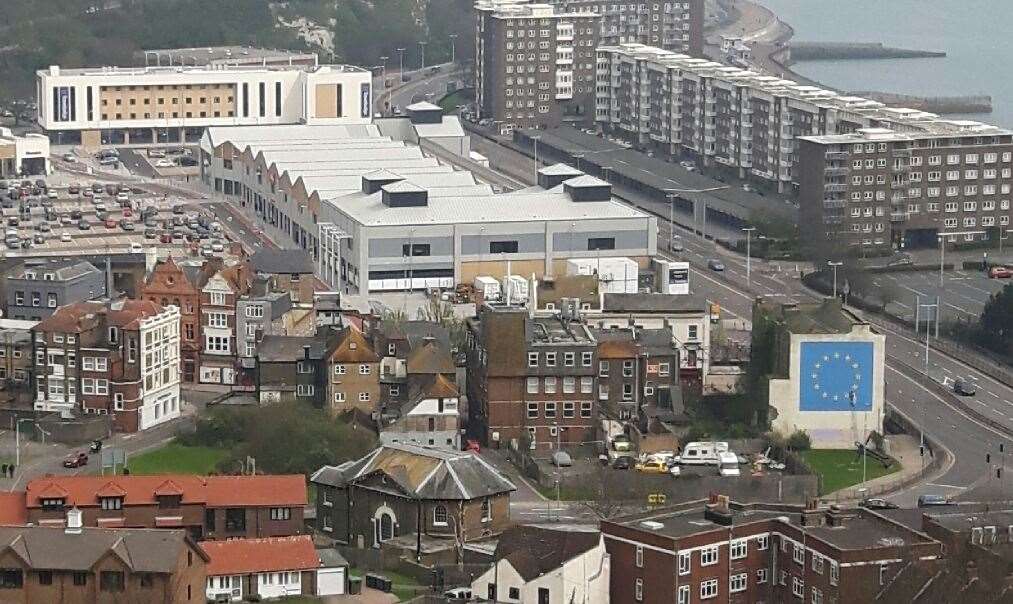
(728, 464)
(702, 453)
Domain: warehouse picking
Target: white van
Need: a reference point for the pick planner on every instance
(728, 464)
(701, 453)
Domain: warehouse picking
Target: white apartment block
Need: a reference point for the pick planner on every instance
(675, 26)
(159, 396)
(720, 115)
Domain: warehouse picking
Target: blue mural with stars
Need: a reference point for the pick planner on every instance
(836, 376)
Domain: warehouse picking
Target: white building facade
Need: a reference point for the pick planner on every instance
(159, 392)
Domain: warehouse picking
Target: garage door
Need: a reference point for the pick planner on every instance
(331, 582)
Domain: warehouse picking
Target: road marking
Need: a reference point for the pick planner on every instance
(945, 486)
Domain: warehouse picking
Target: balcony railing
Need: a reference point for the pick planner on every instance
(898, 216)
(836, 155)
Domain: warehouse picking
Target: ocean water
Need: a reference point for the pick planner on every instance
(975, 34)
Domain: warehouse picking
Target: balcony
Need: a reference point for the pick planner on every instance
(835, 188)
(830, 155)
(899, 184)
(833, 220)
(899, 169)
(902, 152)
(832, 204)
(898, 216)
(835, 171)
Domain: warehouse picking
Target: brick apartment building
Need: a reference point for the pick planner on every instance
(727, 553)
(117, 358)
(395, 343)
(17, 365)
(879, 189)
(636, 368)
(751, 125)
(208, 507)
(534, 65)
(218, 297)
(675, 26)
(45, 564)
(352, 370)
(169, 284)
(531, 378)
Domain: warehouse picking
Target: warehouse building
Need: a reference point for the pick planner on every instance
(376, 214)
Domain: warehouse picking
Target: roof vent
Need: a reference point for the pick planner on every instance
(652, 525)
(404, 194)
(554, 175)
(373, 181)
(587, 188)
(425, 113)
(73, 521)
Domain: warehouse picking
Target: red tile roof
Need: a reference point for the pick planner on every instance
(111, 489)
(215, 491)
(245, 556)
(12, 509)
(125, 313)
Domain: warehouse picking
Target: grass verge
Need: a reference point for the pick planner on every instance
(841, 468)
(174, 458)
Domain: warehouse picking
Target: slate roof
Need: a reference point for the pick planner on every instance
(141, 550)
(289, 349)
(62, 271)
(429, 356)
(282, 261)
(658, 303)
(422, 472)
(535, 550)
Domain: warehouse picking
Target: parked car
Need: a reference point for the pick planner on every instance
(127, 225)
(150, 234)
(931, 500)
(652, 466)
(876, 503)
(73, 190)
(458, 593)
(561, 459)
(164, 163)
(65, 237)
(179, 209)
(76, 460)
(962, 387)
(84, 225)
(623, 462)
(39, 239)
(110, 223)
(69, 158)
(1000, 272)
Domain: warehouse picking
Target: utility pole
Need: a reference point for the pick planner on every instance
(422, 54)
(536, 138)
(749, 234)
(453, 54)
(400, 62)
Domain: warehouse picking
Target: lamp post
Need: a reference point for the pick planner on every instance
(928, 326)
(453, 54)
(536, 138)
(400, 62)
(422, 55)
(942, 248)
(17, 440)
(670, 194)
(834, 266)
(749, 236)
(383, 74)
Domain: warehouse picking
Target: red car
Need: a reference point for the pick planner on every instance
(1000, 272)
(76, 460)
(127, 213)
(472, 445)
(165, 238)
(110, 223)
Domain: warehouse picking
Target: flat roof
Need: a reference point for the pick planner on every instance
(213, 54)
(152, 71)
(661, 175)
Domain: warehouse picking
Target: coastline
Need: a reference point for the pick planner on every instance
(769, 38)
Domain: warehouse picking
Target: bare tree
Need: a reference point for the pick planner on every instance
(607, 501)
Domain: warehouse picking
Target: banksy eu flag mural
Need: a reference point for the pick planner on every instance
(836, 376)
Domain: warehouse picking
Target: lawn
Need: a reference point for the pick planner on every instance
(842, 468)
(450, 102)
(176, 459)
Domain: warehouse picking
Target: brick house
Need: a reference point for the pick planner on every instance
(290, 271)
(395, 341)
(531, 378)
(169, 284)
(117, 358)
(209, 507)
(76, 564)
(218, 296)
(399, 494)
(293, 368)
(753, 553)
(637, 368)
(353, 373)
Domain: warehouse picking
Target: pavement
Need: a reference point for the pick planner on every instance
(368, 596)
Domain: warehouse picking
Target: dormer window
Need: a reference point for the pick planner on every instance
(29, 275)
(53, 503)
(112, 503)
(48, 277)
(169, 501)
(353, 345)
(114, 335)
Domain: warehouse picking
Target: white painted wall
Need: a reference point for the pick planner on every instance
(583, 579)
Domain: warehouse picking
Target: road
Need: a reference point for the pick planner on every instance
(422, 83)
(942, 420)
(963, 295)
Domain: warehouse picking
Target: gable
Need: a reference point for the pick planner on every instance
(378, 479)
(217, 284)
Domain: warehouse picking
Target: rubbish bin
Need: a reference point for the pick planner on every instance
(378, 582)
(354, 585)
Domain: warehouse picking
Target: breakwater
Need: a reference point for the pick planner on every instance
(830, 51)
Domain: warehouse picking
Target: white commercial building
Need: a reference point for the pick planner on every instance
(23, 155)
(128, 105)
(379, 214)
(159, 357)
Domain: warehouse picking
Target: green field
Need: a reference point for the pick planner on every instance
(842, 468)
(176, 459)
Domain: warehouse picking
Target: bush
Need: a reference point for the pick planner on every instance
(799, 441)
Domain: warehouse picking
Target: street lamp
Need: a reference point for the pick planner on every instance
(942, 248)
(928, 325)
(422, 54)
(453, 54)
(749, 236)
(536, 138)
(834, 266)
(383, 74)
(1001, 239)
(400, 60)
(17, 439)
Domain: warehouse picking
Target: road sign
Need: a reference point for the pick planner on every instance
(656, 499)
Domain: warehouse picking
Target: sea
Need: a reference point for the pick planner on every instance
(975, 34)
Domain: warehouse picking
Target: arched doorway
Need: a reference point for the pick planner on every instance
(386, 527)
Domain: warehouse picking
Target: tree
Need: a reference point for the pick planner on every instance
(996, 322)
(799, 440)
(607, 501)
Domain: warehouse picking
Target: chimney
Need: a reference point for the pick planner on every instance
(718, 510)
(109, 278)
(533, 297)
(73, 521)
(812, 515)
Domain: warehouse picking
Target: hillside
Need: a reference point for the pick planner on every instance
(75, 33)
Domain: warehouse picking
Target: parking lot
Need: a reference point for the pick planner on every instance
(963, 295)
(96, 216)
